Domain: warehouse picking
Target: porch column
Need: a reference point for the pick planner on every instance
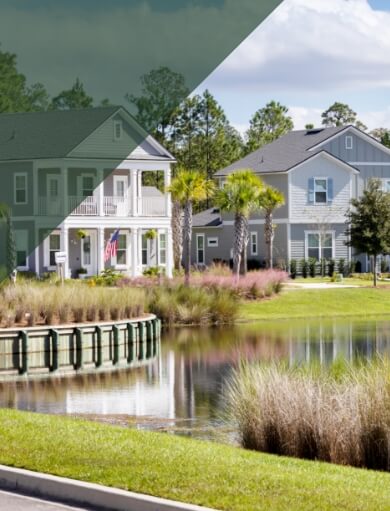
(100, 192)
(133, 189)
(167, 184)
(139, 194)
(169, 266)
(140, 268)
(64, 240)
(36, 253)
(134, 252)
(65, 196)
(100, 250)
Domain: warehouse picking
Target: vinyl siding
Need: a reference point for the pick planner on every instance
(7, 171)
(101, 143)
(361, 149)
(301, 209)
(298, 240)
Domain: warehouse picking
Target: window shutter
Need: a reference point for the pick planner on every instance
(330, 189)
(311, 190)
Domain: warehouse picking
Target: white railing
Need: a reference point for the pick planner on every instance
(153, 206)
(117, 206)
(50, 207)
(83, 206)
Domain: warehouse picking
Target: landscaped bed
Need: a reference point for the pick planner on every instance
(204, 473)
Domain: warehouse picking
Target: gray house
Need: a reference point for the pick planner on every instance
(319, 171)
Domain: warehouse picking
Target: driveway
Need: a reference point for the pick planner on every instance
(317, 285)
(14, 502)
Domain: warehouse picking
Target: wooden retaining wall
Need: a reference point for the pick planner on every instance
(74, 348)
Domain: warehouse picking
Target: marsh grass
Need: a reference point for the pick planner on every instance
(32, 304)
(178, 304)
(340, 416)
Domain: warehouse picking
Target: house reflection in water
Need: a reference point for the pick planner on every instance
(186, 382)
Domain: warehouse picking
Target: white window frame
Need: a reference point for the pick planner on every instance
(80, 183)
(318, 178)
(385, 181)
(145, 265)
(253, 236)
(114, 263)
(16, 175)
(320, 234)
(162, 233)
(46, 248)
(348, 142)
(197, 249)
(27, 265)
(116, 125)
(117, 179)
(212, 241)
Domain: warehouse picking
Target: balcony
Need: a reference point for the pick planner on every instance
(112, 206)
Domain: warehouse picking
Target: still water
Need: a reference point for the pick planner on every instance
(182, 389)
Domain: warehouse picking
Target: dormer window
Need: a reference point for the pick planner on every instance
(348, 142)
(118, 128)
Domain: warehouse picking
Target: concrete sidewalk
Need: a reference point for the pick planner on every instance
(79, 494)
(16, 502)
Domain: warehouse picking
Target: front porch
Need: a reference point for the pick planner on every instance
(138, 249)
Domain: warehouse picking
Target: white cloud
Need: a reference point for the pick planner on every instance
(312, 45)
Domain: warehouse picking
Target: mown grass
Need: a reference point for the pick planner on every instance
(319, 303)
(204, 473)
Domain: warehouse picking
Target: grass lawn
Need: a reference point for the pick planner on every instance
(317, 303)
(345, 282)
(204, 473)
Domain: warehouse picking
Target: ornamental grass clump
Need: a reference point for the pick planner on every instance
(31, 304)
(179, 304)
(341, 417)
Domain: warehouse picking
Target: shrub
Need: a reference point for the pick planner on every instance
(352, 267)
(342, 416)
(304, 268)
(312, 267)
(384, 266)
(341, 266)
(331, 267)
(293, 268)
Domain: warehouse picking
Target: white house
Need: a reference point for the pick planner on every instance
(72, 178)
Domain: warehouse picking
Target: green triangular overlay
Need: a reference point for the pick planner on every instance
(111, 45)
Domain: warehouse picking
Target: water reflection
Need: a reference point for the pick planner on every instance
(183, 387)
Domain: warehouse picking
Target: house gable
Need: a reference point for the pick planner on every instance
(358, 148)
(132, 143)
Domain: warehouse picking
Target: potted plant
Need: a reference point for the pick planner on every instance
(81, 273)
(81, 234)
(151, 234)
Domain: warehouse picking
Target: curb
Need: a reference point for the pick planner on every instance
(78, 493)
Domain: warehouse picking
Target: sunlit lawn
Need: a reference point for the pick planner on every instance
(205, 473)
(320, 303)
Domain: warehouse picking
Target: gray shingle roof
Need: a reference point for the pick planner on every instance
(50, 134)
(207, 218)
(284, 153)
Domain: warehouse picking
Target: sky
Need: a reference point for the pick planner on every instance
(308, 54)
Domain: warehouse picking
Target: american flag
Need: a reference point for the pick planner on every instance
(111, 247)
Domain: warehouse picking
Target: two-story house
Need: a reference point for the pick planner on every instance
(319, 171)
(72, 178)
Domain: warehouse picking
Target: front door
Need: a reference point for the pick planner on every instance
(120, 195)
(89, 253)
(53, 199)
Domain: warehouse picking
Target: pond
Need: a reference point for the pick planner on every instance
(182, 389)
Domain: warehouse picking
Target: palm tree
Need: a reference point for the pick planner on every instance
(269, 200)
(5, 215)
(240, 195)
(187, 188)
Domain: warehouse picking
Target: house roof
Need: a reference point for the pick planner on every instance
(284, 153)
(51, 134)
(208, 218)
(55, 133)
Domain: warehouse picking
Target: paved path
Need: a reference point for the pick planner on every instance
(14, 502)
(318, 285)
